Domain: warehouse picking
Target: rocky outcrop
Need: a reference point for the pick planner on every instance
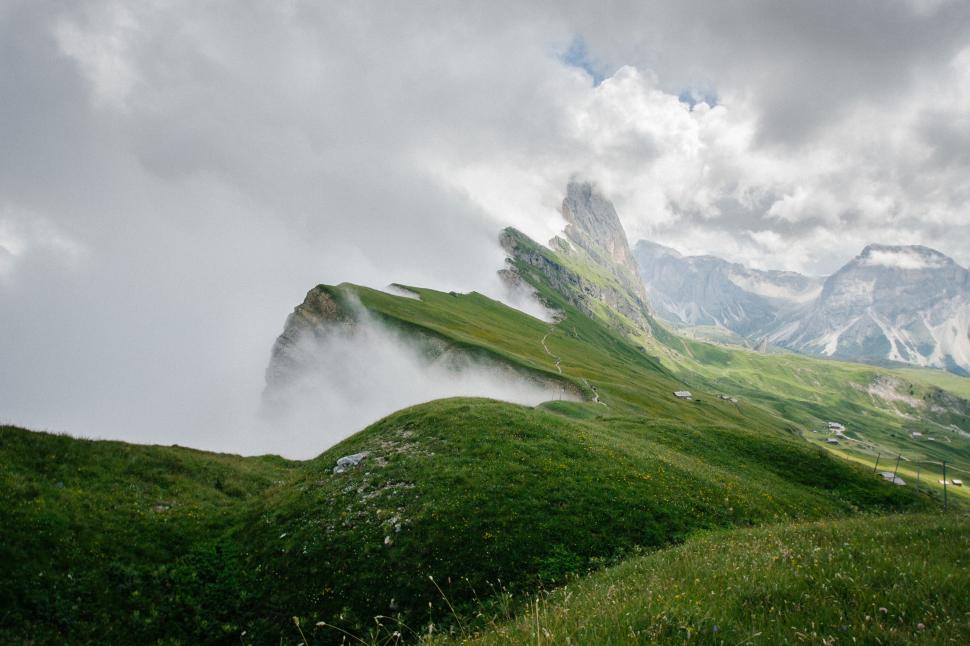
(334, 313)
(625, 311)
(324, 310)
(591, 265)
(593, 224)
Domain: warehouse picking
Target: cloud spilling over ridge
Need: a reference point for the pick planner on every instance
(174, 176)
(351, 377)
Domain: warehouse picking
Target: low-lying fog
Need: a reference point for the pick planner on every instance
(353, 377)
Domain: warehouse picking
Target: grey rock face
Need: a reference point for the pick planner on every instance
(625, 306)
(592, 223)
(322, 311)
(591, 266)
(707, 290)
(906, 304)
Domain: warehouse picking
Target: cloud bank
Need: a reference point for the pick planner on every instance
(350, 378)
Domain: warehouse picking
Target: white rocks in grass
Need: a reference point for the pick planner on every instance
(348, 461)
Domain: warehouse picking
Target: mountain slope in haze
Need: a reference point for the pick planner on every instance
(707, 290)
(902, 304)
(906, 304)
(591, 264)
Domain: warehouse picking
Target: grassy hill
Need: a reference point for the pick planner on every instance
(461, 508)
(887, 580)
(115, 542)
(108, 542)
(477, 492)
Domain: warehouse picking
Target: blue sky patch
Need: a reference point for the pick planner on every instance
(694, 96)
(578, 56)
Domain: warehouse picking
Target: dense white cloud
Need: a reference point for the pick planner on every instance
(175, 175)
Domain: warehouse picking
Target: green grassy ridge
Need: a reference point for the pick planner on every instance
(894, 579)
(782, 392)
(471, 324)
(485, 493)
(489, 492)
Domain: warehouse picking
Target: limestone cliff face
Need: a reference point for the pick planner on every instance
(591, 266)
(331, 314)
(625, 311)
(323, 311)
(593, 225)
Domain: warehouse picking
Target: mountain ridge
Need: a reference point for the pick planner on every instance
(906, 304)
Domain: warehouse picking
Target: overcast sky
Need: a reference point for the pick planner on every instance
(174, 176)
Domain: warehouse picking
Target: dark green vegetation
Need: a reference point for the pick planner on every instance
(107, 542)
(113, 542)
(889, 580)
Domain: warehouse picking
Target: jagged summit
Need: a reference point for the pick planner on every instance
(592, 223)
(591, 264)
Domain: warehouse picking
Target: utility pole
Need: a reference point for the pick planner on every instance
(876, 465)
(897, 468)
(944, 486)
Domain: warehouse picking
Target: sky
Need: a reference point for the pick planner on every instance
(175, 175)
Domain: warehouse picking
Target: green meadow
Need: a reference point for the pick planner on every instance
(628, 516)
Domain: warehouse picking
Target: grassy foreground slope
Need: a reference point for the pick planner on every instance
(108, 542)
(886, 580)
(111, 542)
(476, 492)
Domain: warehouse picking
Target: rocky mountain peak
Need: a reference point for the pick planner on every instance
(902, 258)
(593, 225)
(896, 303)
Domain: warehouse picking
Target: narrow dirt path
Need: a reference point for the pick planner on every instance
(546, 348)
(558, 360)
(596, 395)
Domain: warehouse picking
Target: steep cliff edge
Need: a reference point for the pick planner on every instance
(591, 265)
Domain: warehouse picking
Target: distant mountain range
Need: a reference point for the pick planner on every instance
(906, 304)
